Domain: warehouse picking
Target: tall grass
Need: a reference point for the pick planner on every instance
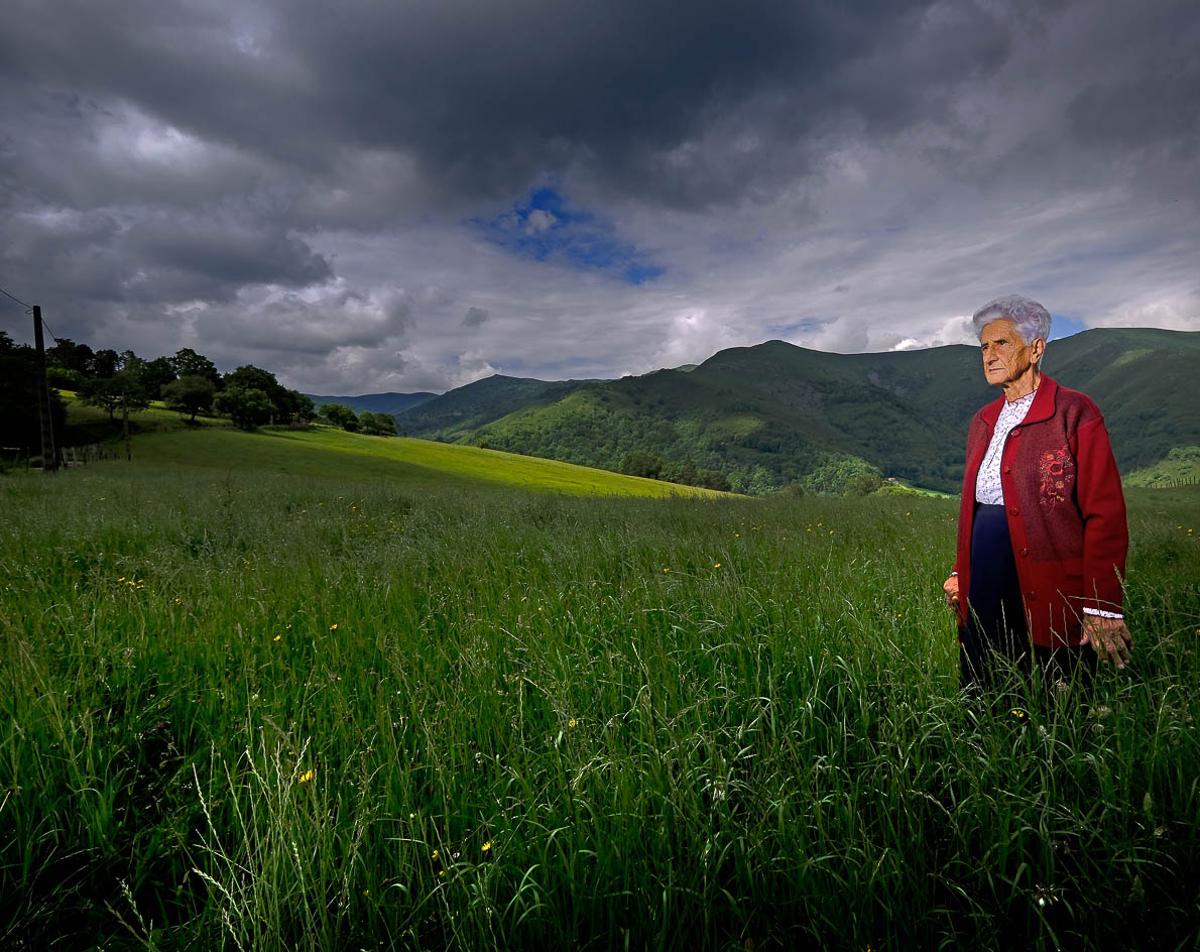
(261, 711)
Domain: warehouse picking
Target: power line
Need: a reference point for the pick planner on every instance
(28, 307)
(57, 340)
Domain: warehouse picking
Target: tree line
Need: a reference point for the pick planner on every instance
(122, 382)
(187, 381)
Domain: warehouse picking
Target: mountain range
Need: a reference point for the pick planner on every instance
(389, 403)
(773, 414)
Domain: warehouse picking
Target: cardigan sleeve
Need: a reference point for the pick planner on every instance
(1105, 529)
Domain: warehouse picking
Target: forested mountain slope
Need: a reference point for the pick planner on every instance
(775, 413)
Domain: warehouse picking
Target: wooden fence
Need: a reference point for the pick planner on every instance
(13, 457)
(1177, 483)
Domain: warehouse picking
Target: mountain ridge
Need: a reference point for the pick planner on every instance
(390, 402)
(775, 413)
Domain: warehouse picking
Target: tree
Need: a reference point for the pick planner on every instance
(122, 391)
(63, 378)
(844, 476)
(338, 414)
(249, 377)
(713, 479)
(19, 381)
(863, 484)
(248, 407)
(296, 407)
(287, 406)
(104, 363)
(157, 373)
(187, 363)
(190, 395)
(639, 463)
(377, 424)
(70, 356)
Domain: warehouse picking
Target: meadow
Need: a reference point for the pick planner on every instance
(278, 691)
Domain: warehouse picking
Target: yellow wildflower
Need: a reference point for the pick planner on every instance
(333, 627)
(307, 775)
(434, 855)
(572, 723)
(486, 846)
(277, 638)
(716, 565)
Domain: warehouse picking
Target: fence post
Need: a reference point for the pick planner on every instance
(49, 455)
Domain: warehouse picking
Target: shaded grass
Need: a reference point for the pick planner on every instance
(671, 723)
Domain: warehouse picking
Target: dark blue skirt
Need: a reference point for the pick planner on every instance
(996, 636)
(994, 646)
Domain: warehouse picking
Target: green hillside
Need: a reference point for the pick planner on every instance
(1180, 467)
(776, 413)
(463, 410)
(334, 454)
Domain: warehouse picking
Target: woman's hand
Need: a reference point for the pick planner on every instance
(950, 587)
(1109, 637)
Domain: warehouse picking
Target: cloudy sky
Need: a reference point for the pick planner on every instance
(369, 195)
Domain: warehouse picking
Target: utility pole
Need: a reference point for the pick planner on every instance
(49, 453)
(125, 428)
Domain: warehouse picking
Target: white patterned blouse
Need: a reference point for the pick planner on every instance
(987, 483)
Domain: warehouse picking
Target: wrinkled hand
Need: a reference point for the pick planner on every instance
(950, 587)
(1109, 638)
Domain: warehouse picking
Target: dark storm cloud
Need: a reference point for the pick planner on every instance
(226, 253)
(487, 96)
(685, 104)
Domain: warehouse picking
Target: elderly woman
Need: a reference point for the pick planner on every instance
(1042, 534)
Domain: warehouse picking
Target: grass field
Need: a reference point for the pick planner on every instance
(266, 692)
(327, 452)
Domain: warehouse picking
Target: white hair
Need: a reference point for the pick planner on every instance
(1031, 319)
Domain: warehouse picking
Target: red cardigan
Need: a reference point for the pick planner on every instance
(1066, 511)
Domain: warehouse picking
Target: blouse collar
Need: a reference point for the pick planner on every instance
(1042, 407)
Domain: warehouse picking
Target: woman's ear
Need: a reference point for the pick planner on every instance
(1037, 348)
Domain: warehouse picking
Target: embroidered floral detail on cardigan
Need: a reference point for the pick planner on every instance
(1057, 472)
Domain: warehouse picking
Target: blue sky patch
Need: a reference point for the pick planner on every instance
(1063, 326)
(545, 227)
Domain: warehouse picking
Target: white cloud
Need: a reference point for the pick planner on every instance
(538, 221)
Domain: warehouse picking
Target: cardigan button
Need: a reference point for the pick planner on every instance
(1008, 469)
(1024, 553)
(1014, 511)
(1032, 596)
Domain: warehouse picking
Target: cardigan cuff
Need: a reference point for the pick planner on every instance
(1101, 613)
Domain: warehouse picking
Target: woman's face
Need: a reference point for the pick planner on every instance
(1006, 357)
